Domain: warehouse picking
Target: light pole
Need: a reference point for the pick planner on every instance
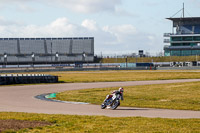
(196, 59)
(33, 59)
(51, 52)
(84, 55)
(5, 59)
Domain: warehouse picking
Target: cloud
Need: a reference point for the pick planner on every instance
(89, 24)
(57, 28)
(19, 5)
(25, 8)
(122, 32)
(109, 39)
(80, 6)
(121, 12)
(129, 38)
(89, 6)
(5, 22)
(9, 1)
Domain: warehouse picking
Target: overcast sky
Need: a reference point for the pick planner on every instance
(118, 26)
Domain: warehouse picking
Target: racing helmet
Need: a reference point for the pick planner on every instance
(121, 89)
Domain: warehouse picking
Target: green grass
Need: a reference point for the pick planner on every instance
(183, 96)
(112, 76)
(152, 59)
(102, 124)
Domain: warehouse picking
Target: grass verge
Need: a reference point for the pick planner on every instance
(183, 96)
(73, 123)
(14, 125)
(112, 76)
(150, 59)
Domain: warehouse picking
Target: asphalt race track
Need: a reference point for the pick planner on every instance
(22, 99)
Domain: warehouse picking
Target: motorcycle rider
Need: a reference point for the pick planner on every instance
(115, 92)
(113, 100)
(120, 91)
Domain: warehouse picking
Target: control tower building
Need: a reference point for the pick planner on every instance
(185, 37)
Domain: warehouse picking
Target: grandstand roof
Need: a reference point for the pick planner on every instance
(60, 38)
(185, 21)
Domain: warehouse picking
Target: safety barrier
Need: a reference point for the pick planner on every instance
(27, 79)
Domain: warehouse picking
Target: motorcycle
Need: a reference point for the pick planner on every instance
(111, 100)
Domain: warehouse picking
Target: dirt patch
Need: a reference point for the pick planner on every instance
(20, 124)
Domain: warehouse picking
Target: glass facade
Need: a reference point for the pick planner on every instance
(186, 53)
(183, 46)
(186, 40)
(181, 52)
(175, 52)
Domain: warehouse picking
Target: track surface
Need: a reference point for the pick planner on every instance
(22, 99)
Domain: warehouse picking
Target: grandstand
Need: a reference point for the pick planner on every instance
(185, 37)
(46, 50)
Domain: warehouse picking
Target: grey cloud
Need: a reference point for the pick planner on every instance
(18, 5)
(89, 6)
(25, 8)
(4, 2)
(81, 6)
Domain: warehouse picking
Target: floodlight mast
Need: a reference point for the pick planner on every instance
(183, 10)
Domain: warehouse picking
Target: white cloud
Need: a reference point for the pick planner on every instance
(89, 24)
(58, 28)
(118, 39)
(122, 32)
(129, 38)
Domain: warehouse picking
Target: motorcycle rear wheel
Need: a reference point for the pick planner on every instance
(115, 104)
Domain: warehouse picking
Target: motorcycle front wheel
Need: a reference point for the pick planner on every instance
(103, 106)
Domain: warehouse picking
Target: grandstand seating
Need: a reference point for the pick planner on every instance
(8, 46)
(80, 46)
(45, 49)
(70, 58)
(33, 46)
(44, 58)
(60, 46)
(11, 59)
